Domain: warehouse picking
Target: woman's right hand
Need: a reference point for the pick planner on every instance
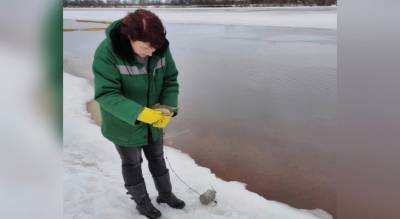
(150, 116)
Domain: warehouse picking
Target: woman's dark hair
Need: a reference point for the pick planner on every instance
(144, 26)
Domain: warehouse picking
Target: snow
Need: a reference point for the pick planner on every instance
(93, 185)
(30, 161)
(310, 17)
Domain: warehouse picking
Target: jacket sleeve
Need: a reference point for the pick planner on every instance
(107, 81)
(170, 90)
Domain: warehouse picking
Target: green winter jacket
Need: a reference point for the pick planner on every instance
(123, 88)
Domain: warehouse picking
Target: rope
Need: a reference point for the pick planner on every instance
(170, 166)
(194, 190)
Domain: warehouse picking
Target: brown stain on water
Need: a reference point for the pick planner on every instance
(294, 175)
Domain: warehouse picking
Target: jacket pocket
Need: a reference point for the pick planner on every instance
(115, 128)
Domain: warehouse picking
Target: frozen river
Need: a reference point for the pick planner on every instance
(256, 103)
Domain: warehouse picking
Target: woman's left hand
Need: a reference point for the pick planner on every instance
(162, 123)
(165, 110)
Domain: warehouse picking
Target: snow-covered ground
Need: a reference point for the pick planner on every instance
(30, 160)
(93, 185)
(312, 17)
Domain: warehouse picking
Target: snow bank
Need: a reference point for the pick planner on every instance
(30, 179)
(311, 17)
(93, 185)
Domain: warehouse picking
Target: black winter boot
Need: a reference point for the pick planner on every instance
(143, 203)
(165, 195)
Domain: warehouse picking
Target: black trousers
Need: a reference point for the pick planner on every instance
(131, 158)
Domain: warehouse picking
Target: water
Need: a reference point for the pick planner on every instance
(256, 104)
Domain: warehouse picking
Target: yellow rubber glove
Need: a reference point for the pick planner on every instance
(163, 122)
(150, 116)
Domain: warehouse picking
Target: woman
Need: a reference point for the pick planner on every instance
(136, 87)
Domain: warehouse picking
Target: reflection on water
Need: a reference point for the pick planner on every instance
(255, 104)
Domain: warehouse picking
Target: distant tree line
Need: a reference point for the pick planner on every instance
(201, 3)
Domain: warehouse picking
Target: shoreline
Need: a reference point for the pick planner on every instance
(189, 142)
(82, 140)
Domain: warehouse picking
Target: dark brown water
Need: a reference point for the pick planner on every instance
(256, 105)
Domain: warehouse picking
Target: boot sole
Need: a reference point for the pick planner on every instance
(160, 201)
(149, 216)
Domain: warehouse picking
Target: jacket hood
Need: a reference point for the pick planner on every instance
(112, 26)
(121, 44)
